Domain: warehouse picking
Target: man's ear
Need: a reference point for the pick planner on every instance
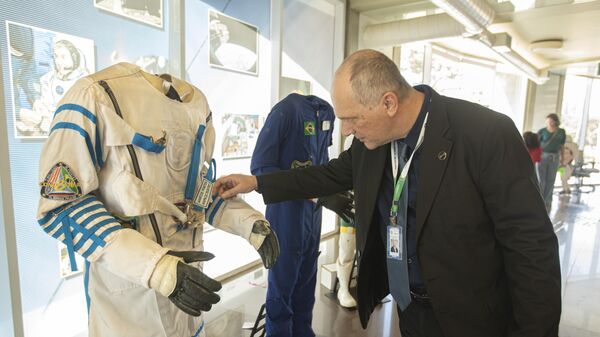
(390, 103)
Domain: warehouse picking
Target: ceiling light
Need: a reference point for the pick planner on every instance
(546, 46)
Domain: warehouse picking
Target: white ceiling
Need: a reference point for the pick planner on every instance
(577, 23)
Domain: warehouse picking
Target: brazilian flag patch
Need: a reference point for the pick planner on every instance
(309, 128)
(60, 184)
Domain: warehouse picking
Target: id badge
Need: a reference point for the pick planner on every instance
(204, 194)
(394, 243)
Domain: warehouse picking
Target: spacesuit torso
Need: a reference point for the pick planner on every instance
(121, 173)
(296, 134)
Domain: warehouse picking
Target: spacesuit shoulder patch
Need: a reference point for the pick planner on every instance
(60, 183)
(309, 128)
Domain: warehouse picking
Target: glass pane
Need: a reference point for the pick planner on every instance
(307, 60)
(411, 62)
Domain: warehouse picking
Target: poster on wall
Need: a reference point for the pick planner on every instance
(288, 85)
(147, 11)
(233, 44)
(65, 264)
(43, 65)
(240, 135)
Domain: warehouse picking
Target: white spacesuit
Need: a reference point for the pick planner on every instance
(125, 179)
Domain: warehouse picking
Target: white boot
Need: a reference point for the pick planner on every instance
(343, 294)
(344, 268)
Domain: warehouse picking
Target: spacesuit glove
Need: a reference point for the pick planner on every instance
(192, 256)
(341, 203)
(186, 286)
(264, 240)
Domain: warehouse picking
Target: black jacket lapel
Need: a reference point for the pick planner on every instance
(433, 160)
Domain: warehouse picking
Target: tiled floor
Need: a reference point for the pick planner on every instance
(577, 225)
(578, 231)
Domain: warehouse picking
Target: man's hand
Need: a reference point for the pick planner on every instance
(230, 186)
(265, 242)
(186, 286)
(341, 203)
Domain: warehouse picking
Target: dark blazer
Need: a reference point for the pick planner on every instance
(486, 247)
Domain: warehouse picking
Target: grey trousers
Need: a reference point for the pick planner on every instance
(547, 174)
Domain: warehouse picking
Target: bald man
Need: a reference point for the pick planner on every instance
(453, 183)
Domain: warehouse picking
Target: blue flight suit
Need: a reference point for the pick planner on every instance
(296, 134)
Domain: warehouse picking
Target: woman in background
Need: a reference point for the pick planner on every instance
(552, 140)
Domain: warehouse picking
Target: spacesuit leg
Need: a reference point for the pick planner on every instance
(303, 299)
(347, 244)
(282, 281)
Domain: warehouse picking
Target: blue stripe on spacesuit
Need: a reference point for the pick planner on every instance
(86, 284)
(69, 225)
(78, 108)
(146, 143)
(92, 118)
(82, 132)
(62, 214)
(199, 330)
(212, 171)
(92, 231)
(68, 241)
(190, 186)
(87, 210)
(215, 209)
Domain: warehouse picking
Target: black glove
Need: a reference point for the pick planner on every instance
(269, 250)
(194, 292)
(341, 203)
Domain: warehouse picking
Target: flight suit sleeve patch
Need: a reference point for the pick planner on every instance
(60, 184)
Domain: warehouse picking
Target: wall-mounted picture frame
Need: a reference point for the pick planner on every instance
(240, 133)
(233, 44)
(149, 12)
(43, 66)
(288, 85)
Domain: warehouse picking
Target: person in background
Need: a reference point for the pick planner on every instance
(552, 140)
(532, 142)
(570, 157)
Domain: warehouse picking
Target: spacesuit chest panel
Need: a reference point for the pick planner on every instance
(160, 133)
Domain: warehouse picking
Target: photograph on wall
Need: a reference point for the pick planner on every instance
(233, 44)
(147, 11)
(240, 135)
(65, 264)
(288, 85)
(43, 65)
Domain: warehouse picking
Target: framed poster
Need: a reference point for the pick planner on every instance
(149, 12)
(65, 264)
(43, 66)
(240, 135)
(288, 85)
(233, 44)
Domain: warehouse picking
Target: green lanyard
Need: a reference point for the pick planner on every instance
(401, 180)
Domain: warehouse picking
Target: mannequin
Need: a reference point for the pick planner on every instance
(126, 181)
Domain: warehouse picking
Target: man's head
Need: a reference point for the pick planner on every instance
(367, 93)
(66, 58)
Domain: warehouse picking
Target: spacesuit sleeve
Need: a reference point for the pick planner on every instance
(71, 157)
(69, 208)
(234, 216)
(265, 158)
